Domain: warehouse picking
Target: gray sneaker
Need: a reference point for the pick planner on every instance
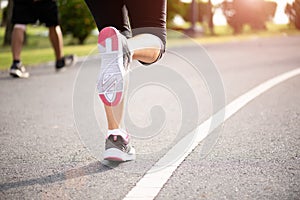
(117, 147)
(18, 71)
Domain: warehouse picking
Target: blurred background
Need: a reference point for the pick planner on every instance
(205, 20)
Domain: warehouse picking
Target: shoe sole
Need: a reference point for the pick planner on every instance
(114, 154)
(110, 82)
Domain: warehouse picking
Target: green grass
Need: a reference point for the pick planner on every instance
(38, 49)
(41, 55)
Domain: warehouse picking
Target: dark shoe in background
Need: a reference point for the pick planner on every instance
(66, 61)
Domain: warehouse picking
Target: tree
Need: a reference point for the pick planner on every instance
(293, 11)
(9, 25)
(4, 16)
(76, 19)
(210, 15)
(255, 13)
(194, 12)
(175, 7)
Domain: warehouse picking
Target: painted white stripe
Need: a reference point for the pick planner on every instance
(152, 182)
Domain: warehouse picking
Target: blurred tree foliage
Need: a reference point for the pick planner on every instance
(203, 11)
(76, 19)
(175, 7)
(293, 11)
(8, 25)
(254, 12)
(4, 16)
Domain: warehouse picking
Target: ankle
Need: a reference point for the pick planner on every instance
(16, 62)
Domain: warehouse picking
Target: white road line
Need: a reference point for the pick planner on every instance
(152, 182)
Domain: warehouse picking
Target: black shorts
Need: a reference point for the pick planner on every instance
(145, 16)
(29, 11)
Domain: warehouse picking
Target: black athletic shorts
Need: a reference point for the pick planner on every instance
(29, 11)
(145, 16)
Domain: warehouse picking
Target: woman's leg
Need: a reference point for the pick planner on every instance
(146, 46)
(149, 28)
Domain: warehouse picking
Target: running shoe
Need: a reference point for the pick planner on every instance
(115, 58)
(64, 62)
(117, 147)
(17, 70)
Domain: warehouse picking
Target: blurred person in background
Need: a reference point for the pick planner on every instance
(29, 12)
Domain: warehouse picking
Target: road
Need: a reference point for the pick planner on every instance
(52, 127)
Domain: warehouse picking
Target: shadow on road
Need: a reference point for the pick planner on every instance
(93, 168)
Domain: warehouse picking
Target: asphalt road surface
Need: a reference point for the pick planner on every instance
(52, 127)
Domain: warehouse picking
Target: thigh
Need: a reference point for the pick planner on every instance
(148, 16)
(23, 12)
(109, 13)
(47, 12)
